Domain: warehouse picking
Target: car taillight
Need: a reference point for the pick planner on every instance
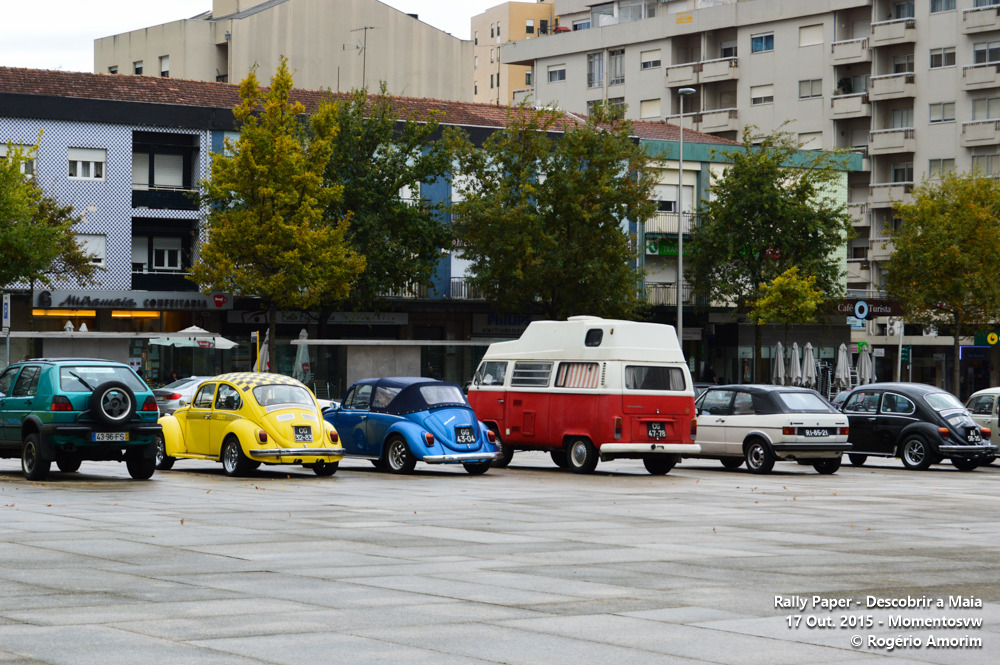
(694, 427)
(491, 436)
(429, 438)
(60, 403)
(618, 427)
(150, 404)
(334, 437)
(173, 396)
(262, 436)
(844, 431)
(986, 432)
(944, 432)
(788, 431)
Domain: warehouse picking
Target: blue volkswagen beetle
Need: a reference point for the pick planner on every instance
(397, 422)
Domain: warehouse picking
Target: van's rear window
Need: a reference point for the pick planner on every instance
(646, 377)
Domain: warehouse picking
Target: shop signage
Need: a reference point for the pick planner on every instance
(868, 309)
(496, 325)
(136, 300)
(987, 338)
(338, 318)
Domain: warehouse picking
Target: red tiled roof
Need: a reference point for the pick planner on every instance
(186, 92)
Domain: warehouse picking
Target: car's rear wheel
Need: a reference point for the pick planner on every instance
(32, 464)
(234, 461)
(732, 462)
(163, 461)
(827, 466)
(559, 458)
(324, 469)
(378, 464)
(581, 456)
(139, 466)
(398, 458)
(759, 457)
(68, 463)
(506, 451)
(857, 460)
(916, 454)
(659, 465)
(477, 468)
(964, 463)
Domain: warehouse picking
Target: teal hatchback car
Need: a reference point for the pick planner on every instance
(66, 410)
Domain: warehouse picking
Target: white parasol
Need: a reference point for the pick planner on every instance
(795, 367)
(303, 369)
(194, 337)
(842, 373)
(778, 365)
(866, 367)
(809, 367)
(263, 355)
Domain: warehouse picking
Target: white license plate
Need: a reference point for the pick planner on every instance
(812, 431)
(303, 434)
(110, 436)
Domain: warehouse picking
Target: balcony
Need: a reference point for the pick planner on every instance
(896, 31)
(851, 106)
(719, 120)
(980, 132)
(723, 69)
(887, 194)
(851, 51)
(859, 270)
(683, 75)
(164, 198)
(977, 77)
(162, 280)
(892, 86)
(409, 292)
(881, 249)
(659, 293)
(889, 141)
(859, 214)
(462, 289)
(665, 224)
(981, 19)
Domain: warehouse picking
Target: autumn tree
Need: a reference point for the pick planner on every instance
(265, 234)
(771, 210)
(381, 158)
(790, 298)
(946, 249)
(546, 203)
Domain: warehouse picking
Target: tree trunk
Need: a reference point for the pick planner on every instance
(956, 352)
(272, 344)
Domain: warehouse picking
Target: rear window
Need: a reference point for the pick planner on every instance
(283, 394)
(83, 379)
(444, 394)
(804, 402)
(943, 401)
(646, 377)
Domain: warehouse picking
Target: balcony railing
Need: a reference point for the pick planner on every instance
(895, 31)
(658, 293)
(665, 223)
(981, 75)
(851, 106)
(980, 132)
(888, 141)
(892, 86)
(981, 19)
(408, 292)
(164, 198)
(462, 289)
(850, 51)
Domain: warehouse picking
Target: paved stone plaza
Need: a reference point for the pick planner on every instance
(528, 565)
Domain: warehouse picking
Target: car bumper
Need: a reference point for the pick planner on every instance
(297, 452)
(806, 448)
(649, 448)
(460, 457)
(969, 452)
(61, 434)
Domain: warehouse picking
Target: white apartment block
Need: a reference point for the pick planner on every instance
(339, 45)
(912, 85)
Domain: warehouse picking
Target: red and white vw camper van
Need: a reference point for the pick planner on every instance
(588, 389)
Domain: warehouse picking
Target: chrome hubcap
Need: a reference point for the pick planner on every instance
(756, 456)
(229, 459)
(397, 456)
(115, 404)
(915, 452)
(578, 453)
(161, 451)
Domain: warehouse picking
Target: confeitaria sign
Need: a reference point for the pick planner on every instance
(137, 300)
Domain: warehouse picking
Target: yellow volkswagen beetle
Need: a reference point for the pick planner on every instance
(247, 419)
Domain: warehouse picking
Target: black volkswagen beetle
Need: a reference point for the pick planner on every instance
(920, 424)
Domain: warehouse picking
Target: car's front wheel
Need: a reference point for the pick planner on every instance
(758, 456)
(234, 461)
(398, 458)
(163, 461)
(964, 463)
(32, 464)
(659, 465)
(916, 454)
(581, 456)
(827, 466)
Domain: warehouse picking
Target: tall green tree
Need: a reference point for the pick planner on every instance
(38, 242)
(380, 158)
(544, 214)
(947, 248)
(266, 235)
(771, 210)
(789, 298)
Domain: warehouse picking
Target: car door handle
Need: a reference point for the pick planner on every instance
(207, 416)
(499, 401)
(870, 419)
(364, 417)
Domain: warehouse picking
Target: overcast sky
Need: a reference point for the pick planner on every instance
(60, 34)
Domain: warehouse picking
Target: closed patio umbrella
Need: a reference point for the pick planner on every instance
(778, 365)
(809, 367)
(302, 369)
(262, 356)
(866, 367)
(795, 367)
(842, 372)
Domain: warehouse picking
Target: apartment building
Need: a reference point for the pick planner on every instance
(341, 45)
(495, 82)
(913, 87)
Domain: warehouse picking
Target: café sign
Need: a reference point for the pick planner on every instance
(132, 300)
(868, 309)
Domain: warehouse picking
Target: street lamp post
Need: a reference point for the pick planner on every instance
(682, 93)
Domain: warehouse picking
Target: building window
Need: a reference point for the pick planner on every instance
(902, 63)
(762, 43)
(810, 35)
(476, 42)
(938, 167)
(498, 32)
(543, 26)
(137, 67)
(986, 164)
(986, 109)
(557, 73)
(942, 6)
(96, 246)
(649, 109)
(27, 161)
(166, 253)
(475, 62)
(529, 26)
(761, 94)
(943, 57)
(598, 12)
(475, 88)
(636, 10)
(943, 112)
(902, 10)
(529, 77)
(165, 66)
(902, 172)
(491, 81)
(595, 70)
(616, 104)
(811, 141)
(649, 59)
(901, 119)
(616, 66)
(728, 50)
(492, 31)
(87, 163)
(811, 88)
(492, 58)
(582, 24)
(113, 69)
(984, 52)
